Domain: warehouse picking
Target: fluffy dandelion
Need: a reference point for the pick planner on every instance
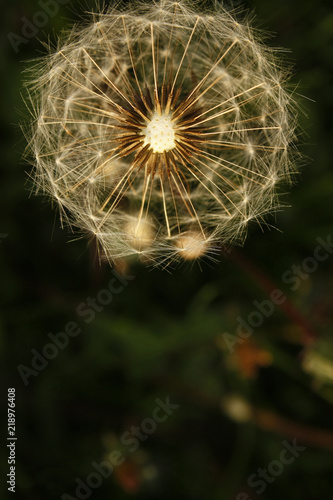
(161, 130)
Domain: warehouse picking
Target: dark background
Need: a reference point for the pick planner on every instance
(164, 334)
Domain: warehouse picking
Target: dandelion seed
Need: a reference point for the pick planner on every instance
(192, 245)
(162, 130)
(140, 233)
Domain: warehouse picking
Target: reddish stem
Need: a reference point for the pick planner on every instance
(269, 286)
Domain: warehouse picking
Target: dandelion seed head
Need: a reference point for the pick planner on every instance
(161, 130)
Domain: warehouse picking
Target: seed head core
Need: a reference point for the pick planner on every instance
(159, 133)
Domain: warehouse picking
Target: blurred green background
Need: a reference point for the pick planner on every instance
(173, 334)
